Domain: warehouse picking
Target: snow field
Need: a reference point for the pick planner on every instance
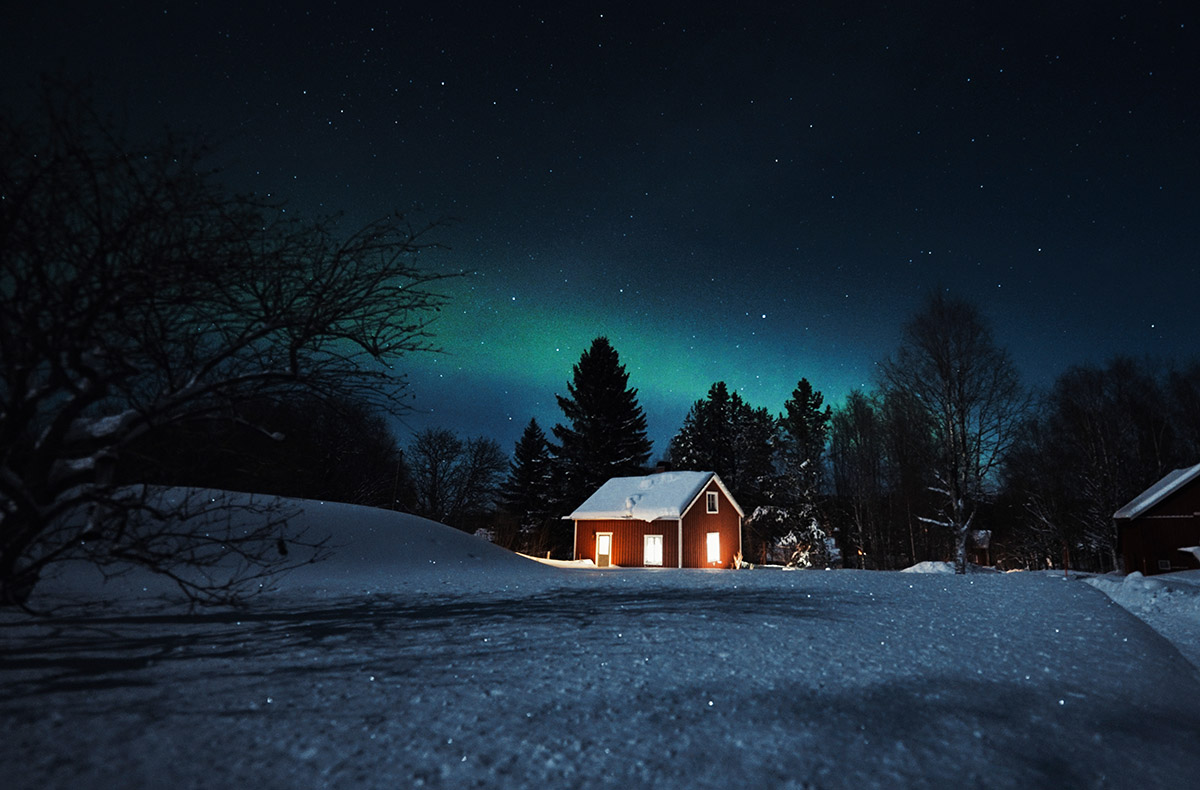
(507, 673)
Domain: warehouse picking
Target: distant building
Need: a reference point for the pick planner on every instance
(1159, 530)
(668, 520)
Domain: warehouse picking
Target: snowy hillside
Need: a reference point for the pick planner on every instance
(382, 670)
(373, 550)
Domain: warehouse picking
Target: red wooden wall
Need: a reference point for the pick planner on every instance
(628, 541)
(1159, 533)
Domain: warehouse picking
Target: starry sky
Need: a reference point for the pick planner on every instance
(748, 192)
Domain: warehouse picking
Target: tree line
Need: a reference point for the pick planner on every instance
(157, 330)
(949, 457)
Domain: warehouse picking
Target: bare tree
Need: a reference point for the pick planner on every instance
(856, 460)
(950, 364)
(1102, 435)
(454, 480)
(135, 293)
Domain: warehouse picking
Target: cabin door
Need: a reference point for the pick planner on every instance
(603, 549)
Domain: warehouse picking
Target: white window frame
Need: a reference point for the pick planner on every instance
(713, 542)
(712, 502)
(645, 550)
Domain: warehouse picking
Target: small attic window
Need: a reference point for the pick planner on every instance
(711, 501)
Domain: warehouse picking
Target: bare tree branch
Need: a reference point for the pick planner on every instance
(136, 293)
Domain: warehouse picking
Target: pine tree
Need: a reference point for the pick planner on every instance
(725, 434)
(606, 434)
(527, 490)
(804, 426)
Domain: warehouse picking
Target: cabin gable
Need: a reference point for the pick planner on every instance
(1165, 518)
(701, 520)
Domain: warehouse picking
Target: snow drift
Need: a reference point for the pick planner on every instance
(372, 550)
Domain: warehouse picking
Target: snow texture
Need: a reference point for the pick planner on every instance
(422, 657)
(646, 498)
(1169, 603)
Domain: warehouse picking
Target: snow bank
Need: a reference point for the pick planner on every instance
(420, 656)
(584, 564)
(930, 566)
(1169, 603)
(373, 551)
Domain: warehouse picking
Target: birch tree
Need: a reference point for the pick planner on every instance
(949, 363)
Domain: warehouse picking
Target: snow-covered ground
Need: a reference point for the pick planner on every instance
(420, 656)
(1169, 603)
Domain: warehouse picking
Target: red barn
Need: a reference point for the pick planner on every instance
(1159, 531)
(669, 520)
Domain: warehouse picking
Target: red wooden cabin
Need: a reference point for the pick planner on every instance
(668, 520)
(1159, 531)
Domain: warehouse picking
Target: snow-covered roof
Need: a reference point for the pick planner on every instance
(666, 495)
(1156, 493)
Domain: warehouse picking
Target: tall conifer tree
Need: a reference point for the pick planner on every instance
(606, 432)
(724, 434)
(804, 426)
(527, 490)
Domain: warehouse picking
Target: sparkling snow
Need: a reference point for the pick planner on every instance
(423, 657)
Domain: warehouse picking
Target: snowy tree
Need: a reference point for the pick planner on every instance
(968, 387)
(606, 432)
(135, 293)
(804, 427)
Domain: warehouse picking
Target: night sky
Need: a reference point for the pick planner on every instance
(740, 192)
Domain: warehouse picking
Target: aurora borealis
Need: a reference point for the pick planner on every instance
(757, 193)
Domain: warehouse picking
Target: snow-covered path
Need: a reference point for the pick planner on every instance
(609, 679)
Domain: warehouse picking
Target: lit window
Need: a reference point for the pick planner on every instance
(654, 550)
(712, 501)
(714, 547)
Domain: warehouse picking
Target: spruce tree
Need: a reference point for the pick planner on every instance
(725, 434)
(527, 490)
(606, 432)
(804, 426)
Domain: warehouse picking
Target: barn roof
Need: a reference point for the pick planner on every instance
(666, 495)
(1156, 493)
